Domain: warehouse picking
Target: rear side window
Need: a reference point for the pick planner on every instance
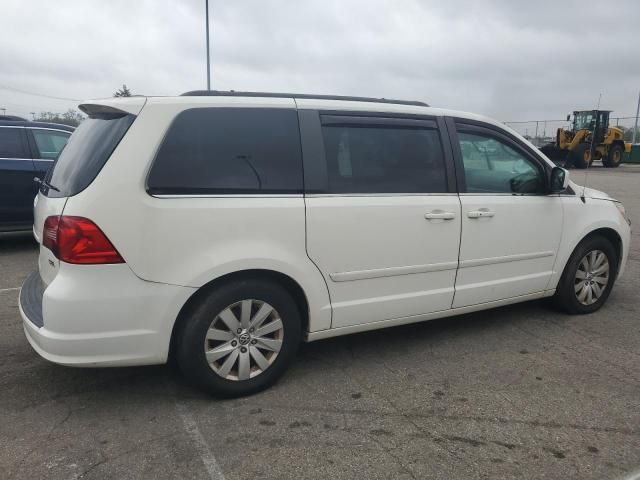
(49, 143)
(86, 152)
(384, 159)
(11, 145)
(229, 151)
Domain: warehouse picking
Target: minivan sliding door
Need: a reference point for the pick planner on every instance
(383, 219)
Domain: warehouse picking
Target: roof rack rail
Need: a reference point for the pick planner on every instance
(232, 93)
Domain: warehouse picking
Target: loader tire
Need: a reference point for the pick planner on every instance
(614, 158)
(582, 156)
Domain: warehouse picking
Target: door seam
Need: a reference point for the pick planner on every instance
(455, 280)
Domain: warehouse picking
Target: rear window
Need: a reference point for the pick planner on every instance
(229, 151)
(86, 152)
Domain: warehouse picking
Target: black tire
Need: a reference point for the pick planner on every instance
(566, 297)
(554, 154)
(581, 157)
(190, 343)
(614, 157)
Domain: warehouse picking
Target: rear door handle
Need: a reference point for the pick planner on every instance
(438, 215)
(483, 212)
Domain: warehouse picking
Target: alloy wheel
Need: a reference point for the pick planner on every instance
(592, 277)
(244, 339)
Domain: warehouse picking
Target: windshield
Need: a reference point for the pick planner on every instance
(85, 154)
(583, 120)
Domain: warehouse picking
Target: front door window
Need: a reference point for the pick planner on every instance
(492, 166)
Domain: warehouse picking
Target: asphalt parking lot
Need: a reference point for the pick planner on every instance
(518, 392)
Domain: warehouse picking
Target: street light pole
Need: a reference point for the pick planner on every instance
(635, 127)
(208, 57)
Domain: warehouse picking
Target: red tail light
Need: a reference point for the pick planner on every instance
(78, 240)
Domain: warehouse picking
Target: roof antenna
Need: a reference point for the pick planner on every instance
(593, 136)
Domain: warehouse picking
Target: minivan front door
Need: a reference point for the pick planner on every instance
(383, 222)
(511, 228)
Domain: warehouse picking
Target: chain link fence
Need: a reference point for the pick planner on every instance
(541, 132)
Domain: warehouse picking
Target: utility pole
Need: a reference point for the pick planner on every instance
(33, 116)
(4, 111)
(208, 57)
(635, 127)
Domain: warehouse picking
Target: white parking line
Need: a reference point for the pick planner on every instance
(190, 426)
(633, 476)
(13, 289)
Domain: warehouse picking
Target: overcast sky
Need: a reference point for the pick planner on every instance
(510, 59)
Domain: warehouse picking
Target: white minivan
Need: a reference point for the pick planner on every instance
(222, 228)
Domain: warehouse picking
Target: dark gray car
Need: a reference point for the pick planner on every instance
(27, 150)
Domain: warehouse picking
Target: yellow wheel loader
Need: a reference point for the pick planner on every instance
(590, 138)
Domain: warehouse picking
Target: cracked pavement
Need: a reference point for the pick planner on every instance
(517, 392)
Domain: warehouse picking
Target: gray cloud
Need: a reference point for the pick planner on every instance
(507, 59)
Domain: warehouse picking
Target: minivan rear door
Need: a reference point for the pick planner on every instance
(383, 217)
(86, 152)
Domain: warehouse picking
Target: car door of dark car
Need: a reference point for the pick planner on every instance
(46, 144)
(16, 179)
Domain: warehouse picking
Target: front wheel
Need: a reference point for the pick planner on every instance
(582, 156)
(240, 338)
(588, 277)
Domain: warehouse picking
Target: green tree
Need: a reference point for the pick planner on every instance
(70, 117)
(123, 92)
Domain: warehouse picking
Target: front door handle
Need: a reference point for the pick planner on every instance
(483, 212)
(439, 215)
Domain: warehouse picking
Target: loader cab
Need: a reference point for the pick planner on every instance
(602, 125)
(596, 121)
(583, 120)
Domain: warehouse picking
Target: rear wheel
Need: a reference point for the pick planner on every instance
(240, 338)
(588, 277)
(582, 156)
(614, 158)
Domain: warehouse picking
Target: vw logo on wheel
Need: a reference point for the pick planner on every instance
(244, 338)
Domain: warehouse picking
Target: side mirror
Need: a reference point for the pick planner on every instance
(559, 180)
(568, 117)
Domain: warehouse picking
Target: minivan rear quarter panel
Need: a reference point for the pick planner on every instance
(192, 240)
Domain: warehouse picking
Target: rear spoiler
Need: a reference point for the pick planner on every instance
(113, 106)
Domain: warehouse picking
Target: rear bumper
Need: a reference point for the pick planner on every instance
(31, 295)
(100, 316)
